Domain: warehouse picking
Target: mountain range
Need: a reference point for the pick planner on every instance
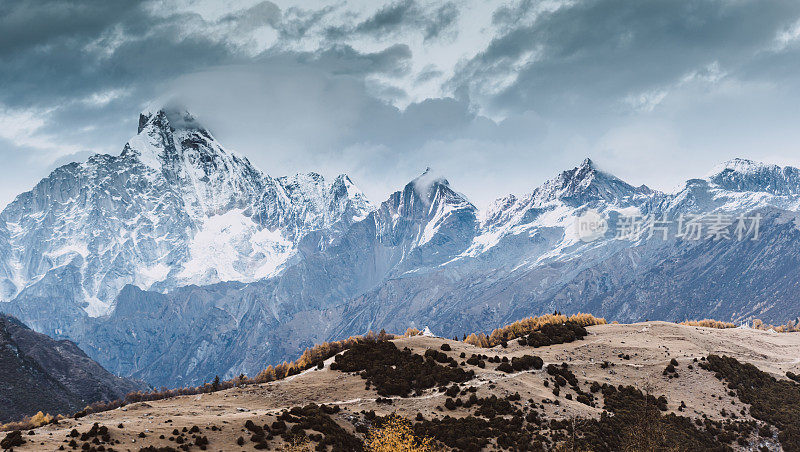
(178, 260)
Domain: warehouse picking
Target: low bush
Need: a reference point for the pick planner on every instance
(399, 372)
(556, 333)
(776, 402)
(12, 440)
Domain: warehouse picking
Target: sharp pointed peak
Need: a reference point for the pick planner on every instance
(429, 178)
(166, 132)
(584, 182)
(170, 115)
(587, 168)
(428, 184)
(343, 180)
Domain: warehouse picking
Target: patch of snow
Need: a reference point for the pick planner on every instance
(232, 247)
(742, 166)
(152, 274)
(96, 307)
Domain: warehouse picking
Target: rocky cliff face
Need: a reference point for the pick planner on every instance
(178, 260)
(38, 373)
(175, 208)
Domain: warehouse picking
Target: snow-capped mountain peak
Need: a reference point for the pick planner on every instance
(169, 116)
(426, 208)
(428, 183)
(174, 208)
(584, 183)
(426, 194)
(743, 175)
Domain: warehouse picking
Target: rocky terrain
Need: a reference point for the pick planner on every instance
(38, 373)
(642, 386)
(178, 260)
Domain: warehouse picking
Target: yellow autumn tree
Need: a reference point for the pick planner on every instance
(39, 419)
(526, 326)
(296, 444)
(396, 435)
(411, 331)
(709, 323)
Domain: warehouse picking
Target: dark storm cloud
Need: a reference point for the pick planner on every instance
(443, 19)
(129, 49)
(390, 18)
(297, 21)
(401, 16)
(31, 23)
(594, 53)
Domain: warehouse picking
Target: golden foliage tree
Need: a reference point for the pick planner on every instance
(37, 420)
(396, 435)
(709, 323)
(788, 327)
(792, 326)
(526, 326)
(296, 444)
(411, 332)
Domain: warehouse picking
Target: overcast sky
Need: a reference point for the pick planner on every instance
(498, 96)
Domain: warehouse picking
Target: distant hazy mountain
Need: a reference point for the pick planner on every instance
(38, 373)
(178, 260)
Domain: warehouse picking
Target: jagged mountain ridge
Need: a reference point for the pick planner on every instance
(384, 273)
(175, 208)
(268, 266)
(529, 259)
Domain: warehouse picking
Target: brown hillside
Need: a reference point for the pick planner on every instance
(516, 406)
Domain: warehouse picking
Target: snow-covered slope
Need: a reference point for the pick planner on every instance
(175, 208)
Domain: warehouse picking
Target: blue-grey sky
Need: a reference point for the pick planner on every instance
(496, 95)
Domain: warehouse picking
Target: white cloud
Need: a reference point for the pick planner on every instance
(709, 76)
(24, 128)
(787, 36)
(568, 79)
